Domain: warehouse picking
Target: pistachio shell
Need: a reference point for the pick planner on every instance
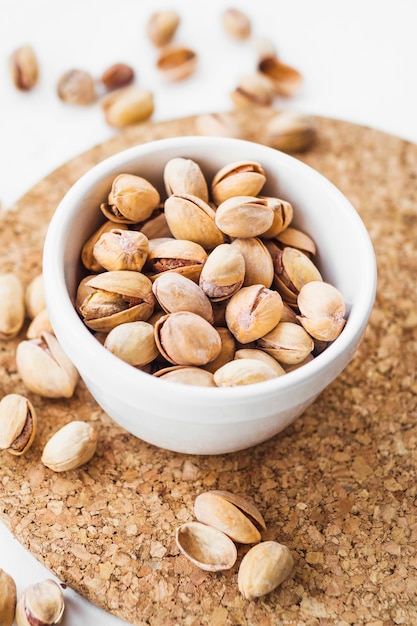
(161, 27)
(131, 199)
(290, 132)
(292, 270)
(40, 323)
(127, 105)
(175, 292)
(7, 599)
(18, 423)
(297, 239)
(243, 372)
(177, 62)
(133, 342)
(121, 249)
(253, 90)
(322, 309)
(288, 343)
(177, 255)
(206, 547)
(222, 512)
(240, 178)
(184, 176)
(87, 257)
(185, 338)
(35, 296)
(244, 216)
(187, 375)
(192, 219)
(260, 355)
(286, 80)
(41, 604)
(12, 305)
(236, 23)
(283, 214)
(227, 352)
(70, 447)
(259, 268)
(263, 568)
(252, 312)
(223, 272)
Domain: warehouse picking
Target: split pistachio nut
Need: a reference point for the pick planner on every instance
(131, 199)
(206, 546)
(240, 178)
(244, 216)
(259, 267)
(223, 272)
(12, 305)
(70, 447)
(322, 309)
(288, 343)
(252, 312)
(177, 62)
(162, 26)
(184, 176)
(127, 105)
(175, 292)
(263, 568)
(41, 604)
(44, 367)
(8, 598)
(18, 421)
(191, 218)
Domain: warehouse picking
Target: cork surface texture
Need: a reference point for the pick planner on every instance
(338, 486)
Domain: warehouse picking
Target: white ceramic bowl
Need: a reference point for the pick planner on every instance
(200, 420)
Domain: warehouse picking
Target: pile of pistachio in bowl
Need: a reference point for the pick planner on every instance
(210, 285)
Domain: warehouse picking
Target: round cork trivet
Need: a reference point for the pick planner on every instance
(338, 486)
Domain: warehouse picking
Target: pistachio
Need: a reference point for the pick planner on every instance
(283, 214)
(184, 338)
(322, 309)
(35, 296)
(260, 355)
(288, 343)
(70, 447)
(252, 90)
(111, 298)
(223, 272)
(240, 178)
(205, 546)
(227, 352)
(41, 604)
(121, 249)
(131, 199)
(127, 105)
(40, 323)
(218, 124)
(87, 256)
(292, 270)
(259, 268)
(7, 599)
(234, 515)
(295, 238)
(290, 132)
(263, 568)
(286, 80)
(176, 255)
(252, 312)
(264, 48)
(243, 372)
(44, 367)
(24, 68)
(177, 62)
(161, 27)
(154, 226)
(133, 342)
(236, 23)
(175, 292)
(117, 75)
(76, 87)
(184, 176)
(12, 305)
(18, 422)
(187, 375)
(190, 218)
(244, 216)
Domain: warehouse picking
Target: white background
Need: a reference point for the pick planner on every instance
(358, 58)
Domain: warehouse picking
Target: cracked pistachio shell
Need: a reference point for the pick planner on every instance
(185, 338)
(288, 343)
(234, 515)
(187, 375)
(292, 270)
(286, 80)
(133, 342)
(24, 68)
(240, 178)
(227, 351)
(176, 255)
(253, 312)
(177, 62)
(244, 216)
(44, 367)
(127, 105)
(259, 268)
(87, 257)
(12, 305)
(35, 296)
(7, 599)
(70, 447)
(205, 546)
(121, 249)
(176, 292)
(18, 422)
(223, 272)
(131, 199)
(115, 297)
(263, 568)
(41, 604)
(192, 219)
(295, 238)
(322, 309)
(290, 132)
(243, 372)
(253, 90)
(161, 27)
(283, 214)
(260, 355)
(184, 176)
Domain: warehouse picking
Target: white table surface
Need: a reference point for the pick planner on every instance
(357, 56)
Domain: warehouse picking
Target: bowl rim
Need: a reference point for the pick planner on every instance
(122, 375)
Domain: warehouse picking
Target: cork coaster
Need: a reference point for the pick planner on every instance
(337, 487)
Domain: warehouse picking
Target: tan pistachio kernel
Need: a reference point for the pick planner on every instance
(41, 604)
(7, 598)
(205, 546)
(24, 68)
(12, 305)
(264, 568)
(18, 422)
(76, 86)
(70, 447)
